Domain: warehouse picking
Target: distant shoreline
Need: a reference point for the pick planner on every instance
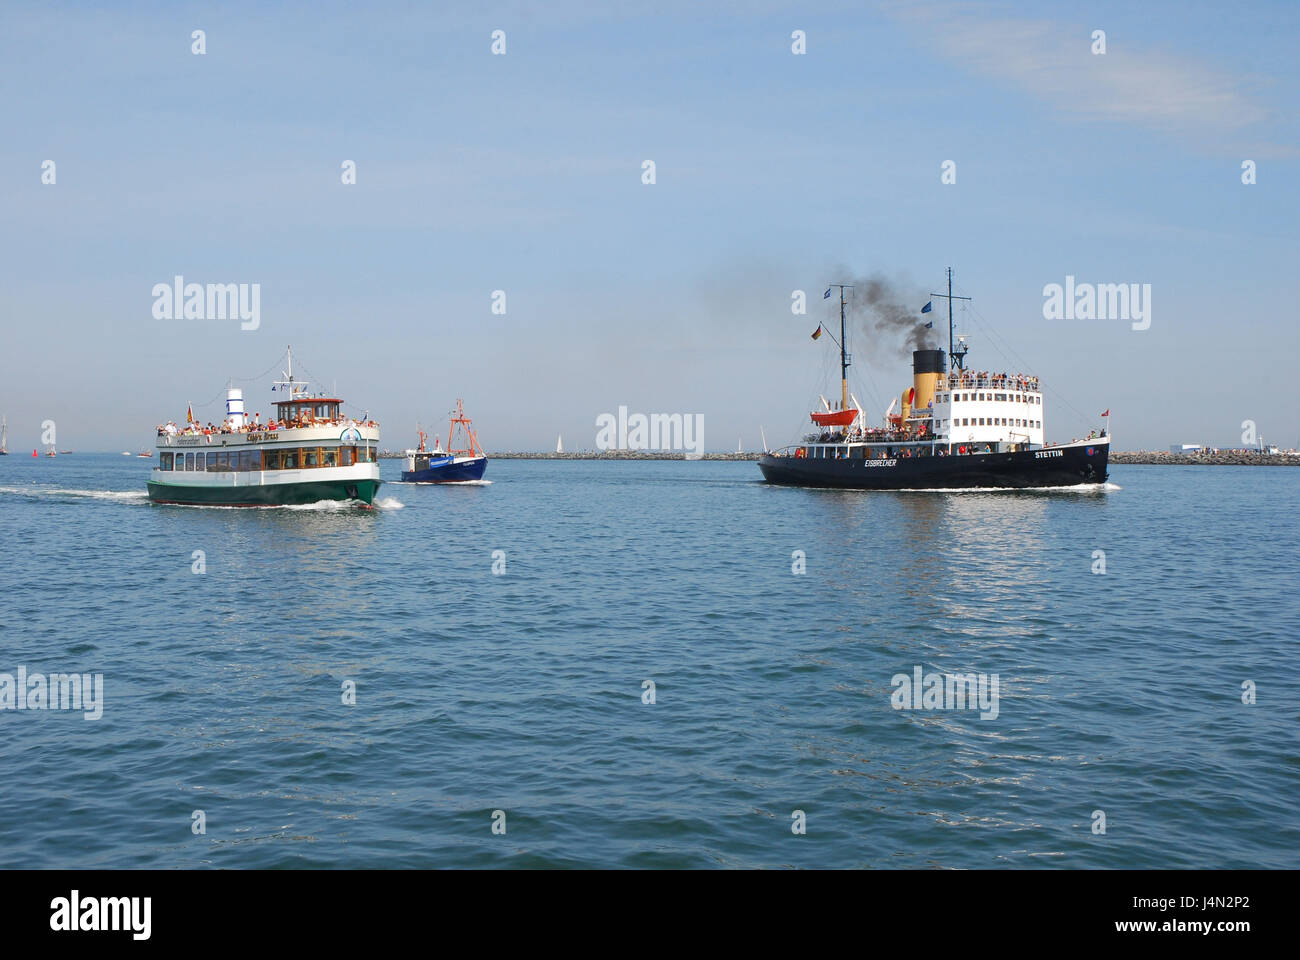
(1155, 458)
(1141, 457)
(597, 455)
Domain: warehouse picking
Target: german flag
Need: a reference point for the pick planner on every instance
(818, 332)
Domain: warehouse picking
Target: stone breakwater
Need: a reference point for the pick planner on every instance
(597, 455)
(1208, 459)
(1121, 457)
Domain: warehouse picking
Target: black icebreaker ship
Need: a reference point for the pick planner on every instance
(955, 429)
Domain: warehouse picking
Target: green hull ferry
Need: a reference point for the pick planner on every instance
(308, 452)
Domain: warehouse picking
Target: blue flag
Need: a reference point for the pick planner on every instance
(827, 294)
(928, 307)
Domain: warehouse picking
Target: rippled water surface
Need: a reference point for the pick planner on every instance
(522, 692)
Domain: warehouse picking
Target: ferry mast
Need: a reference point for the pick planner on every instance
(844, 356)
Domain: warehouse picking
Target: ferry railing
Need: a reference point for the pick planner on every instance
(1012, 383)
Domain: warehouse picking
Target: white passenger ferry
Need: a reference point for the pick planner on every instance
(309, 451)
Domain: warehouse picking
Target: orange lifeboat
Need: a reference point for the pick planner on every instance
(835, 418)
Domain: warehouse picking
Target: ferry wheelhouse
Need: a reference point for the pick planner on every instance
(308, 452)
(954, 429)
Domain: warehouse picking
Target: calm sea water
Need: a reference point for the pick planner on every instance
(522, 691)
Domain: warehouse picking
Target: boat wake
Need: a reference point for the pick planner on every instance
(1070, 488)
(119, 496)
(449, 483)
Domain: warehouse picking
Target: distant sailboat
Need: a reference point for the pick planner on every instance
(559, 444)
(738, 449)
(4, 437)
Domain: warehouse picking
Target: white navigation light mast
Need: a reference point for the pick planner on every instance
(294, 386)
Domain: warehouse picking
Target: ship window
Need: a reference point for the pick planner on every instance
(244, 461)
(255, 460)
(345, 456)
(291, 460)
(165, 461)
(331, 458)
(272, 460)
(309, 457)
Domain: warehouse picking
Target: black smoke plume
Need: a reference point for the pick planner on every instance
(888, 312)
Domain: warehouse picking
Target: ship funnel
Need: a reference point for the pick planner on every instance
(235, 407)
(928, 369)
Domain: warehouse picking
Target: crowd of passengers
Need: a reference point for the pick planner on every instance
(170, 429)
(997, 381)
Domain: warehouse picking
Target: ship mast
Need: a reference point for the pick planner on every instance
(844, 355)
(958, 359)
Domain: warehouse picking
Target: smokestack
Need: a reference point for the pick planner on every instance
(928, 368)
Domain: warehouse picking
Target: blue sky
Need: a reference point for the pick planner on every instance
(522, 173)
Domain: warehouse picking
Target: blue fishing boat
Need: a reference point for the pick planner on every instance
(453, 465)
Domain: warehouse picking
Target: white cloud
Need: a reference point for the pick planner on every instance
(1054, 62)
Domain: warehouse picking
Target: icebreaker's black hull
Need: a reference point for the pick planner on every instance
(1066, 466)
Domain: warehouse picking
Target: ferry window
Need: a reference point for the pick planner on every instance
(291, 460)
(979, 396)
(255, 460)
(309, 457)
(370, 453)
(244, 461)
(345, 456)
(272, 460)
(212, 462)
(331, 458)
(166, 461)
(223, 461)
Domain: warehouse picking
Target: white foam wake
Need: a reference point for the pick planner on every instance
(122, 496)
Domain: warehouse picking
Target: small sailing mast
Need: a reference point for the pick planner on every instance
(4, 435)
(844, 355)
